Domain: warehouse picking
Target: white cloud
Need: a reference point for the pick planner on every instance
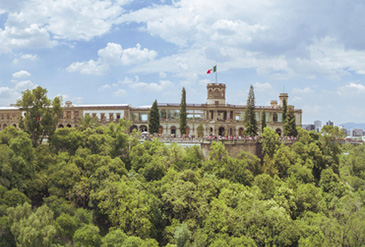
(9, 95)
(91, 67)
(262, 87)
(113, 54)
(352, 88)
(120, 93)
(302, 90)
(40, 24)
(21, 74)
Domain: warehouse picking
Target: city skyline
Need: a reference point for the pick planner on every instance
(133, 52)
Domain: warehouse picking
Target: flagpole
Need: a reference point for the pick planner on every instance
(216, 74)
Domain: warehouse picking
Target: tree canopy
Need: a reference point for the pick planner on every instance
(154, 118)
(182, 113)
(40, 116)
(250, 116)
(102, 187)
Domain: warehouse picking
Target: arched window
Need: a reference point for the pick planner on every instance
(240, 131)
(173, 130)
(69, 126)
(133, 127)
(60, 126)
(278, 131)
(143, 128)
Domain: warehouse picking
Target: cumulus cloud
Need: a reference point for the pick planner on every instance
(120, 93)
(283, 39)
(39, 24)
(136, 84)
(21, 74)
(352, 88)
(113, 54)
(302, 90)
(261, 87)
(9, 95)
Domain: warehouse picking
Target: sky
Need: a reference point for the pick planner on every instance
(133, 52)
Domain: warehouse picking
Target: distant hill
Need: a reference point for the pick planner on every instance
(350, 125)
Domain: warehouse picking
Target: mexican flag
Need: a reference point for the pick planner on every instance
(212, 70)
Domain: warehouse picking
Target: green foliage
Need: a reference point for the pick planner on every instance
(41, 115)
(87, 236)
(99, 181)
(182, 113)
(263, 120)
(182, 235)
(32, 228)
(200, 130)
(270, 142)
(154, 118)
(250, 116)
(290, 127)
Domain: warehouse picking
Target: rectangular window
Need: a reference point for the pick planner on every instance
(173, 114)
(76, 115)
(144, 117)
(280, 117)
(68, 115)
(102, 116)
(111, 116)
(94, 116)
(118, 116)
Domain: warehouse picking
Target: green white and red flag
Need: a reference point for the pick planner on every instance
(212, 70)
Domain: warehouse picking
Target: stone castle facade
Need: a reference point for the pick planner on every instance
(217, 117)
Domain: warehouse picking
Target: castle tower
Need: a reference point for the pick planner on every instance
(282, 97)
(216, 94)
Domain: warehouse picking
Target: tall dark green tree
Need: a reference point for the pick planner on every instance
(250, 118)
(285, 110)
(183, 112)
(263, 120)
(290, 127)
(154, 118)
(41, 115)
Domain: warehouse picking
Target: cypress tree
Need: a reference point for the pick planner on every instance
(263, 120)
(290, 127)
(285, 110)
(250, 118)
(182, 114)
(154, 118)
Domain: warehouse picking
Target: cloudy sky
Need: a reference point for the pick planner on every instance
(125, 51)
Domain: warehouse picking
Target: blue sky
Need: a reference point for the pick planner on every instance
(124, 51)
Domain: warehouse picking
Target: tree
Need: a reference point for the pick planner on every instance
(41, 115)
(200, 130)
(290, 127)
(270, 142)
(250, 118)
(32, 229)
(154, 118)
(183, 113)
(285, 109)
(263, 120)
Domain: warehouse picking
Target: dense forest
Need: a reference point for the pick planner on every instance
(98, 186)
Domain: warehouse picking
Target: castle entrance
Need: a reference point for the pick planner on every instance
(221, 131)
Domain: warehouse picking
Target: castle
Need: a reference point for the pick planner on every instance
(217, 117)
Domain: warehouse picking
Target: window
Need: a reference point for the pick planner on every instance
(102, 116)
(118, 116)
(111, 116)
(76, 114)
(68, 115)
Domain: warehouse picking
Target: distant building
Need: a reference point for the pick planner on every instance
(329, 123)
(308, 127)
(356, 132)
(216, 116)
(317, 125)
